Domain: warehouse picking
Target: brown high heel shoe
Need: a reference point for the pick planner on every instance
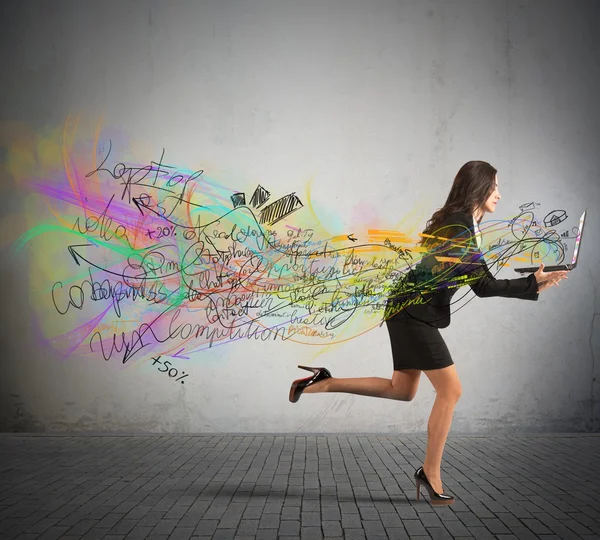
(437, 499)
(299, 385)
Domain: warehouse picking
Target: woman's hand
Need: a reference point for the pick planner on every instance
(546, 280)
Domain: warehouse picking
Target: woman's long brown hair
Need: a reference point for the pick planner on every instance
(472, 186)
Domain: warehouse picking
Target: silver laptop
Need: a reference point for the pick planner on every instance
(569, 266)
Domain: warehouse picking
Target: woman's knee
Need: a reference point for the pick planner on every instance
(410, 395)
(451, 392)
(405, 384)
(446, 383)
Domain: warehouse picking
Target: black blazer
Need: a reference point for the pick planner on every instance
(425, 292)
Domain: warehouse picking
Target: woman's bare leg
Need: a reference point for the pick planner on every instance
(402, 386)
(448, 389)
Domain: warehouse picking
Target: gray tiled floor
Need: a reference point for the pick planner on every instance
(295, 486)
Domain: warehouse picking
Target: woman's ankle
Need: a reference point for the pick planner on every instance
(321, 386)
(432, 473)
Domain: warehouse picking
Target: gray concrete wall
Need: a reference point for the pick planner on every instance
(378, 103)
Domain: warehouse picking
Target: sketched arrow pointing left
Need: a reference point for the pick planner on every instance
(76, 255)
(138, 202)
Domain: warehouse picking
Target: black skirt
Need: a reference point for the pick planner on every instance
(416, 344)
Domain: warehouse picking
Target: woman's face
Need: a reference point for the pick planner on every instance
(490, 204)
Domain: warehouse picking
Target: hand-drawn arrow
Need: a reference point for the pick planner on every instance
(77, 257)
(74, 254)
(350, 237)
(137, 201)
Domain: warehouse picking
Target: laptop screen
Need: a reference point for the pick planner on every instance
(578, 238)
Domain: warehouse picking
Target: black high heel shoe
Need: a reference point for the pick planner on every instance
(437, 499)
(299, 385)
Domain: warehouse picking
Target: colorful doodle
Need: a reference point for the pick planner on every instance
(161, 260)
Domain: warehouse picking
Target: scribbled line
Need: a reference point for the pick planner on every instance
(146, 335)
(129, 177)
(105, 290)
(128, 347)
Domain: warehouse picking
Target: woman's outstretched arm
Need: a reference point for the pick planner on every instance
(462, 259)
